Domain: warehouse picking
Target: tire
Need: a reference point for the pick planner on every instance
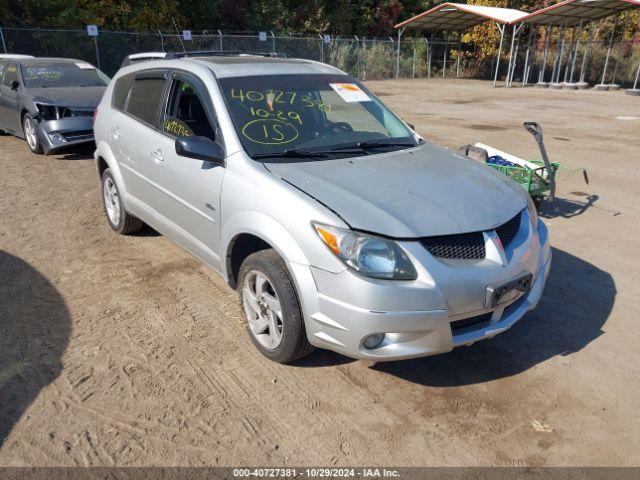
(31, 135)
(293, 343)
(537, 201)
(122, 222)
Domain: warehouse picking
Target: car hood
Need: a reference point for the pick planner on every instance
(82, 97)
(421, 192)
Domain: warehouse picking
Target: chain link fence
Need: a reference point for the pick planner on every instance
(364, 58)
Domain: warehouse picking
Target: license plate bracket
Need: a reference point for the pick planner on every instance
(503, 292)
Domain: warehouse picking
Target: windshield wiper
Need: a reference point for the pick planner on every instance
(370, 145)
(293, 153)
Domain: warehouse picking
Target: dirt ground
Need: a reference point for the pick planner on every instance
(126, 351)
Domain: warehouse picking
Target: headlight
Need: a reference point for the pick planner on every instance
(368, 255)
(533, 212)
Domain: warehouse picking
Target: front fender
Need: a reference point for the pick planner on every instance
(265, 228)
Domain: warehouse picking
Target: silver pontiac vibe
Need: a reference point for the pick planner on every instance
(339, 226)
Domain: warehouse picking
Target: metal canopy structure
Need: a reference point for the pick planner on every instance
(565, 14)
(572, 13)
(458, 16)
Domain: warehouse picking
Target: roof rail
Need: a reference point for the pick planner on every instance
(223, 53)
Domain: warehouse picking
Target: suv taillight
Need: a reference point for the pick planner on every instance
(95, 114)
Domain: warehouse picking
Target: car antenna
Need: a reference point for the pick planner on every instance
(178, 32)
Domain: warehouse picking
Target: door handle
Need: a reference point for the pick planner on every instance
(157, 156)
(115, 133)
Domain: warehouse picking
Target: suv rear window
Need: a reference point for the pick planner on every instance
(120, 90)
(144, 99)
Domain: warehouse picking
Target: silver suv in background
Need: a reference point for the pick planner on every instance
(338, 225)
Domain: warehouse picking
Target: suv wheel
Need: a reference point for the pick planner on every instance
(268, 298)
(119, 219)
(30, 134)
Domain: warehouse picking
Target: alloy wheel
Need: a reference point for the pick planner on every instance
(111, 201)
(263, 310)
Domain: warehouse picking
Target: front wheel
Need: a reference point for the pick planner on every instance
(30, 134)
(273, 313)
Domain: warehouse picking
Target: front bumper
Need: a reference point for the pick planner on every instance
(422, 317)
(71, 131)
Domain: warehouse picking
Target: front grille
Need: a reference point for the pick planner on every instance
(507, 231)
(78, 135)
(478, 321)
(467, 246)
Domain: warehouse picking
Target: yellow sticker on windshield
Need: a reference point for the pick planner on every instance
(350, 92)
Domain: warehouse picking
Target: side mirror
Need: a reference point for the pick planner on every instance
(15, 85)
(200, 148)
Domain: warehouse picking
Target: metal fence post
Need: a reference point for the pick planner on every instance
(400, 32)
(161, 41)
(220, 34)
(413, 71)
(357, 56)
(273, 43)
(4, 45)
(95, 41)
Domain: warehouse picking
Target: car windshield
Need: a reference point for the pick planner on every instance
(310, 116)
(60, 75)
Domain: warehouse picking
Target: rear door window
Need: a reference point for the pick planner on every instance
(144, 100)
(120, 91)
(10, 73)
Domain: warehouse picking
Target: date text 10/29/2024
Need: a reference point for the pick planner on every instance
(316, 472)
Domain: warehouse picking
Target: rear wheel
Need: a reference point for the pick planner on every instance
(30, 134)
(273, 313)
(119, 219)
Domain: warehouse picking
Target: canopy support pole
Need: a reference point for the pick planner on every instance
(400, 32)
(606, 60)
(543, 68)
(429, 48)
(525, 71)
(516, 29)
(569, 56)
(585, 58)
(459, 54)
(501, 30)
(444, 64)
(561, 56)
(515, 54)
(635, 82)
(575, 52)
(557, 63)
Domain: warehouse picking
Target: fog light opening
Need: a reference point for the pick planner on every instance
(373, 341)
(56, 138)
